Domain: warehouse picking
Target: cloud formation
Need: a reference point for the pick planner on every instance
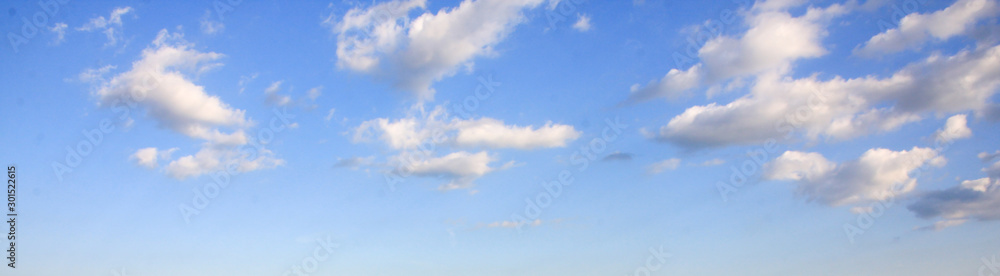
(159, 83)
(416, 139)
(916, 29)
(413, 53)
(878, 174)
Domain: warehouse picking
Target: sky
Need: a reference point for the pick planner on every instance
(503, 137)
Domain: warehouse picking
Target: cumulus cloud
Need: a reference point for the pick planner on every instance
(412, 131)
(417, 137)
(955, 128)
(146, 157)
(662, 166)
(977, 199)
(107, 25)
(841, 108)
(413, 53)
(493, 133)
(878, 174)
(159, 82)
(460, 167)
(582, 23)
(916, 29)
(754, 52)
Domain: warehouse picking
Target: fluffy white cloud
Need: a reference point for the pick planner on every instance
(662, 166)
(840, 108)
(493, 133)
(436, 127)
(145, 157)
(217, 157)
(582, 23)
(955, 128)
(413, 53)
(915, 29)
(461, 167)
(879, 174)
(417, 138)
(754, 52)
(973, 199)
(107, 25)
(157, 83)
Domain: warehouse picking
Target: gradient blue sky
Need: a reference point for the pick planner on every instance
(903, 136)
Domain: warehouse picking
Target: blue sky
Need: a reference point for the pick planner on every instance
(501, 137)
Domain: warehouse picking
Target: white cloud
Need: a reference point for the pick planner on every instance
(877, 175)
(414, 53)
(107, 25)
(915, 29)
(582, 23)
(493, 133)
(60, 30)
(840, 108)
(209, 26)
(145, 157)
(955, 128)
(462, 168)
(973, 199)
(437, 127)
(159, 83)
(662, 166)
(417, 137)
(755, 52)
(273, 98)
